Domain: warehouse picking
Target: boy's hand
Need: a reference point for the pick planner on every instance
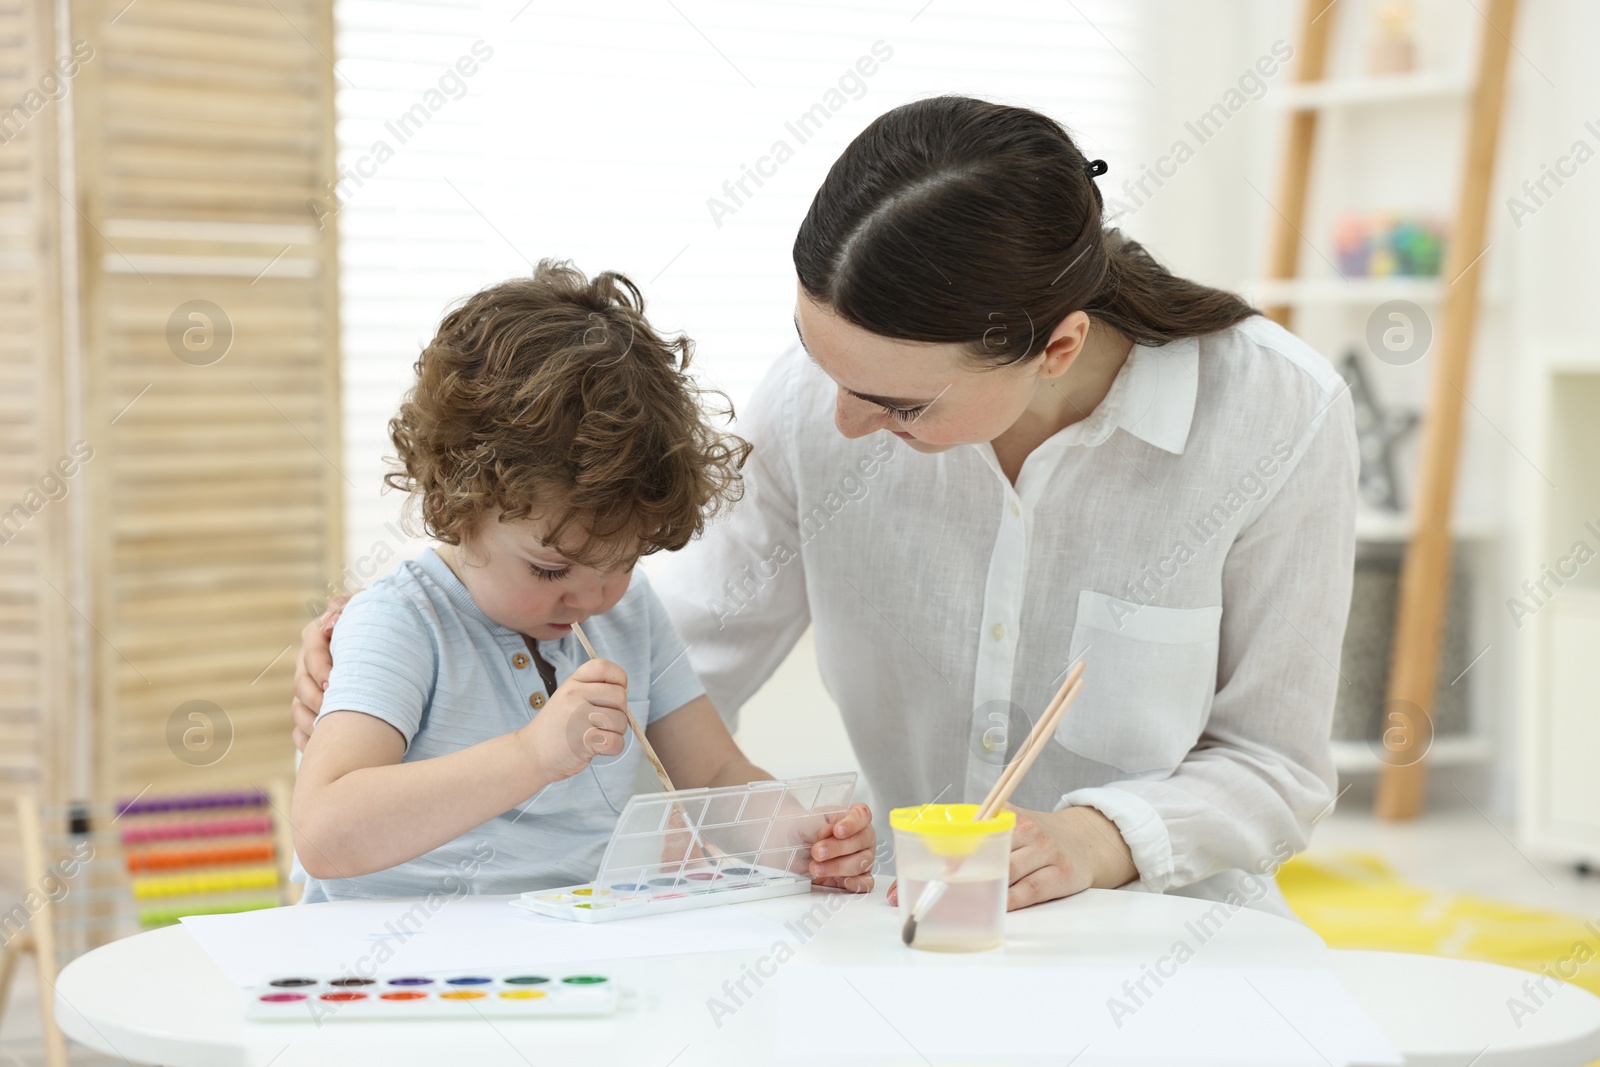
(842, 856)
(311, 670)
(585, 717)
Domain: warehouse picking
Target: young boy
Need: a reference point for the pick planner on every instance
(551, 439)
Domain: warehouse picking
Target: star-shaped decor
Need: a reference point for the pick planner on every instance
(1378, 432)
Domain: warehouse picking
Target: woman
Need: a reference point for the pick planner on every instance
(1096, 460)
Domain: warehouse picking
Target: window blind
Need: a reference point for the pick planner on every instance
(477, 137)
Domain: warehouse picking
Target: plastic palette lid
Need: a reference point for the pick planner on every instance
(744, 834)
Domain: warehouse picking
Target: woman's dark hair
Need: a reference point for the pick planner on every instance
(954, 220)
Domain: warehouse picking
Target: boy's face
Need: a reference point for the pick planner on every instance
(525, 585)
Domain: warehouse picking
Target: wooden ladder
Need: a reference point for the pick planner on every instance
(1425, 573)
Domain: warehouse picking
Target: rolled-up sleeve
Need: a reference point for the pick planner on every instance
(1247, 794)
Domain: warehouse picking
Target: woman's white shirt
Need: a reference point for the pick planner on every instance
(1192, 541)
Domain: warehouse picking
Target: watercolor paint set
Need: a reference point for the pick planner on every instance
(527, 994)
(695, 848)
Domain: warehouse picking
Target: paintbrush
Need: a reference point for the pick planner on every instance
(1004, 786)
(633, 724)
(655, 761)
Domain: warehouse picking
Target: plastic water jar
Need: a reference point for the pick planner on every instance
(968, 865)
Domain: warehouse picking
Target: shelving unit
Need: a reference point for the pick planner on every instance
(1358, 757)
(1431, 531)
(1386, 527)
(1362, 92)
(1559, 811)
(1363, 292)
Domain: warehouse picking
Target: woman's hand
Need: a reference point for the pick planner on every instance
(1059, 853)
(311, 670)
(587, 716)
(1056, 854)
(842, 855)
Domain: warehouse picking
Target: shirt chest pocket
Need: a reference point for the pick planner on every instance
(1150, 676)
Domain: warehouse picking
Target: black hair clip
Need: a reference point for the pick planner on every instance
(1095, 167)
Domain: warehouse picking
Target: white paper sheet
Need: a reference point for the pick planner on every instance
(367, 937)
(984, 1014)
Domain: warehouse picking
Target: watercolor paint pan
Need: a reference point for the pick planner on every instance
(525, 994)
(696, 848)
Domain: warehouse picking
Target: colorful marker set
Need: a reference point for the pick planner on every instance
(512, 994)
(695, 848)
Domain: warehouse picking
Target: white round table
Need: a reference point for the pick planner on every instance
(157, 998)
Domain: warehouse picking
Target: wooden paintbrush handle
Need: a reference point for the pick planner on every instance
(633, 724)
(1039, 730)
(1048, 727)
(583, 639)
(1009, 779)
(649, 753)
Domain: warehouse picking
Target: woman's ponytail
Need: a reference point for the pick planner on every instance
(954, 220)
(1152, 306)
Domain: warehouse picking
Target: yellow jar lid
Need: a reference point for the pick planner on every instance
(950, 820)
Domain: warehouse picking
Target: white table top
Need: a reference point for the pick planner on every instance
(157, 998)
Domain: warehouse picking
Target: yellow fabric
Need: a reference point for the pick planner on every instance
(1353, 900)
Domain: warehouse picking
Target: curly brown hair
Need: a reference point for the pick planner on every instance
(553, 395)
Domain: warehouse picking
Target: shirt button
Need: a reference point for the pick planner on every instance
(519, 661)
(998, 631)
(1015, 510)
(537, 700)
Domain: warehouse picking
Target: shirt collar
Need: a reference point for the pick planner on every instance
(1152, 398)
(434, 566)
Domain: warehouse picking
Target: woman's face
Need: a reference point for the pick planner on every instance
(931, 396)
(528, 586)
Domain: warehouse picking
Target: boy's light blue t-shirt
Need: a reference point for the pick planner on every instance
(415, 651)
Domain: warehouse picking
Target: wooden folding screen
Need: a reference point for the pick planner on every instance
(193, 351)
(36, 667)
